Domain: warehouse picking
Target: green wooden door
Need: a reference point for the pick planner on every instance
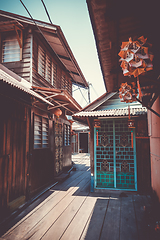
(115, 159)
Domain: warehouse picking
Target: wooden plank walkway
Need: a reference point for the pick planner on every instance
(69, 211)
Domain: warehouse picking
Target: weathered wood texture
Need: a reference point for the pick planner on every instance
(143, 156)
(23, 68)
(13, 152)
(60, 78)
(70, 211)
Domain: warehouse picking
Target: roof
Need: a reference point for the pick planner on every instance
(54, 36)
(14, 80)
(110, 105)
(60, 98)
(113, 22)
(113, 112)
(99, 101)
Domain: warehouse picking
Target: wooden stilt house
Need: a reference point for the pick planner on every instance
(37, 71)
(119, 144)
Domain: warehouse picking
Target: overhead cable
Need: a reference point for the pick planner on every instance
(46, 11)
(45, 37)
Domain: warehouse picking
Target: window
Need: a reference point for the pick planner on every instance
(45, 66)
(67, 135)
(41, 61)
(10, 49)
(54, 74)
(48, 69)
(40, 132)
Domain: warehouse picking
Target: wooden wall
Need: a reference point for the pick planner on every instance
(42, 167)
(14, 149)
(154, 133)
(23, 67)
(60, 72)
(27, 68)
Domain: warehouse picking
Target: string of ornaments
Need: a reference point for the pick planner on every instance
(136, 59)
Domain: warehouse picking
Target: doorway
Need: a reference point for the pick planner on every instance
(115, 155)
(83, 142)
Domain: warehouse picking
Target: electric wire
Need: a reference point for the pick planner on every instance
(52, 23)
(46, 11)
(43, 34)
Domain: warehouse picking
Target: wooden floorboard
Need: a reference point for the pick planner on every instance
(78, 223)
(59, 227)
(111, 226)
(96, 221)
(140, 217)
(35, 216)
(69, 211)
(50, 218)
(128, 227)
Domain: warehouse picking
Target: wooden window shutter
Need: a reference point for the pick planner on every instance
(11, 51)
(41, 61)
(48, 68)
(54, 74)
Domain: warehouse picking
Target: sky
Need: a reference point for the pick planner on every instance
(73, 18)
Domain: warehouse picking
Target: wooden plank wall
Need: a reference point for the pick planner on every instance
(22, 68)
(143, 155)
(38, 80)
(13, 152)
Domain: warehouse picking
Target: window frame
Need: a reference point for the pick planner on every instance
(67, 135)
(40, 137)
(46, 68)
(10, 37)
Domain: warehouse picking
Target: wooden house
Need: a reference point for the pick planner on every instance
(37, 71)
(114, 22)
(119, 144)
(80, 138)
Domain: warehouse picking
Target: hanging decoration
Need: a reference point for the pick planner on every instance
(97, 137)
(97, 123)
(136, 59)
(131, 125)
(131, 122)
(128, 92)
(57, 112)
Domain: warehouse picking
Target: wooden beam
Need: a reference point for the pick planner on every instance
(60, 105)
(149, 108)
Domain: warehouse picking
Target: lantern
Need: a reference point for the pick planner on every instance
(57, 112)
(136, 59)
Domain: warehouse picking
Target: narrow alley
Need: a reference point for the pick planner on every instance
(69, 211)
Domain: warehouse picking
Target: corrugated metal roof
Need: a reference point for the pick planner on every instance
(15, 81)
(113, 112)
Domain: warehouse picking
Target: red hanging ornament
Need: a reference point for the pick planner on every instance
(136, 59)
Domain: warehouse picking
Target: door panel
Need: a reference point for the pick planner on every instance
(105, 155)
(125, 177)
(115, 157)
